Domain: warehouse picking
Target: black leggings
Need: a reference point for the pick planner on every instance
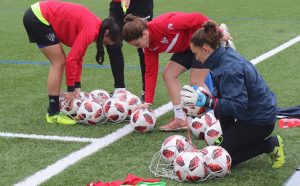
(244, 141)
(140, 8)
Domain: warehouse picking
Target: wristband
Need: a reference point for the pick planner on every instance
(210, 103)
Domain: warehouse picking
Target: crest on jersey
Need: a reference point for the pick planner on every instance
(170, 26)
(164, 40)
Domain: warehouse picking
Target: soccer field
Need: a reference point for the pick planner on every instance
(34, 152)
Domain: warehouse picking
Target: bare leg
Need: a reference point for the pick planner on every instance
(57, 58)
(170, 75)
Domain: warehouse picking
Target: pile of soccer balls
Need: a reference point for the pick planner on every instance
(206, 127)
(179, 160)
(97, 107)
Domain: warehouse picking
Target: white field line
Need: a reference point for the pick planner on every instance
(294, 179)
(54, 169)
(47, 137)
(275, 50)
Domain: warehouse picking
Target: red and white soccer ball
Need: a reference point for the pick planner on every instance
(189, 166)
(100, 96)
(90, 113)
(119, 93)
(198, 127)
(193, 110)
(217, 161)
(70, 106)
(85, 96)
(209, 118)
(172, 146)
(143, 120)
(212, 133)
(133, 102)
(115, 110)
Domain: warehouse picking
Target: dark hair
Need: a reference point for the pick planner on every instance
(209, 34)
(133, 28)
(114, 34)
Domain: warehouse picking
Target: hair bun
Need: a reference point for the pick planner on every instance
(210, 26)
(129, 18)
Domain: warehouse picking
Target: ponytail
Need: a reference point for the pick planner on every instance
(114, 34)
(133, 28)
(209, 34)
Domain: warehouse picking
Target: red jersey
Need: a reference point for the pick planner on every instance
(169, 33)
(75, 26)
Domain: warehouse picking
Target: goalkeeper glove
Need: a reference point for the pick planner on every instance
(191, 95)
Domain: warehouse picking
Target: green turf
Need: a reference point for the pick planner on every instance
(23, 157)
(257, 27)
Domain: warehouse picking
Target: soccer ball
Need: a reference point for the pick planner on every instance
(189, 166)
(172, 146)
(192, 110)
(143, 120)
(115, 110)
(212, 133)
(70, 106)
(209, 118)
(119, 93)
(90, 113)
(85, 96)
(198, 127)
(217, 161)
(133, 102)
(100, 96)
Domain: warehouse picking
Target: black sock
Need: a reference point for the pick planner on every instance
(53, 105)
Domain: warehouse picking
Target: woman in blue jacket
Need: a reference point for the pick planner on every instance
(242, 101)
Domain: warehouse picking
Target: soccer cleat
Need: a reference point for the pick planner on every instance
(277, 155)
(228, 43)
(174, 125)
(60, 119)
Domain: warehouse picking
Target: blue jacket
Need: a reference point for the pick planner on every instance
(240, 89)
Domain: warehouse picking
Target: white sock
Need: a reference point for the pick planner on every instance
(179, 113)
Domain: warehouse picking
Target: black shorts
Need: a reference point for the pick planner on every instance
(139, 8)
(186, 59)
(39, 33)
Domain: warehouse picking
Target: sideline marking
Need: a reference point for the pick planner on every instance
(275, 50)
(54, 169)
(47, 137)
(294, 179)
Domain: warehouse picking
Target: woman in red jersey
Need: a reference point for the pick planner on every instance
(171, 33)
(50, 23)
